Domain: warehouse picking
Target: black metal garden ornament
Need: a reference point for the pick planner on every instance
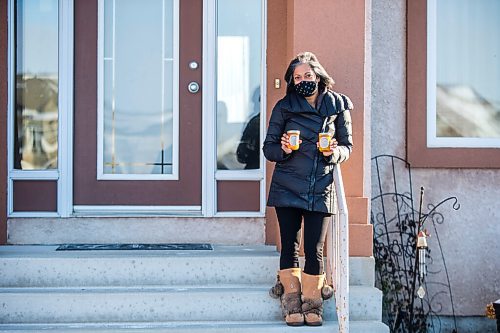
(408, 272)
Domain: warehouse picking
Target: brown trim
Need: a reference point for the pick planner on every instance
(85, 97)
(238, 196)
(418, 154)
(35, 195)
(4, 79)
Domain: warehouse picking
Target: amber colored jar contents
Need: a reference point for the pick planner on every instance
(294, 139)
(324, 142)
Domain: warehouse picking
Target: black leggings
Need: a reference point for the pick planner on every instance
(315, 227)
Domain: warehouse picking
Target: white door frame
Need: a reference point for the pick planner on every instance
(64, 173)
(209, 105)
(208, 108)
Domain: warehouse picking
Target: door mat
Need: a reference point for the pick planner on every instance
(97, 247)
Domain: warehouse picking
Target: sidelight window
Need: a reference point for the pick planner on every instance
(239, 68)
(36, 107)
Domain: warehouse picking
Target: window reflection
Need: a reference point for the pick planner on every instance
(138, 87)
(248, 151)
(36, 99)
(238, 84)
(468, 69)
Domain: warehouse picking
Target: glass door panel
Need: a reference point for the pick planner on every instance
(139, 109)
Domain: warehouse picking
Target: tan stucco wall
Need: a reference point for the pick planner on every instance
(470, 237)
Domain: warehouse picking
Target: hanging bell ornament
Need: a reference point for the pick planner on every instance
(422, 251)
(422, 268)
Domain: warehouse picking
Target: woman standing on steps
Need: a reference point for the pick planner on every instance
(302, 184)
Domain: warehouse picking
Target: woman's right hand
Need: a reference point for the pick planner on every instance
(285, 143)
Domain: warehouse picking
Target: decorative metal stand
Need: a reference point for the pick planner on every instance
(406, 272)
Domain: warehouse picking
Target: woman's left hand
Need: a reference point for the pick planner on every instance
(333, 145)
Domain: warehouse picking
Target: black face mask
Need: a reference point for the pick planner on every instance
(306, 88)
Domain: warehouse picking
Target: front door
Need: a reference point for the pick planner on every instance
(137, 126)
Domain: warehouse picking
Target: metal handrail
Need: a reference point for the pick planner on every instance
(337, 270)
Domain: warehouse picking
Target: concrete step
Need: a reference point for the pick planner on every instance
(162, 304)
(161, 291)
(195, 327)
(43, 266)
(141, 229)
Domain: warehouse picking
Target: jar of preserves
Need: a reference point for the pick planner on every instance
(294, 139)
(324, 141)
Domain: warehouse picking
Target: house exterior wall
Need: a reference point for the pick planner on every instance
(276, 64)
(340, 41)
(341, 44)
(470, 236)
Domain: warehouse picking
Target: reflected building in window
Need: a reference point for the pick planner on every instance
(248, 152)
(37, 78)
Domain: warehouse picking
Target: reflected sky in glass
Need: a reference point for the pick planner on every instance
(468, 45)
(37, 25)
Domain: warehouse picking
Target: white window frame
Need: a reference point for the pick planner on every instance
(64, 172)
(432, 140)
(100, 103)
(210, 172)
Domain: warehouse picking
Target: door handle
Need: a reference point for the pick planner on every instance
(193, 87)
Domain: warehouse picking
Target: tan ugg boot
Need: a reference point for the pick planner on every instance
(291, 304)
(312, 300)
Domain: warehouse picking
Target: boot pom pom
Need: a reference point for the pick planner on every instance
(327, 292)
(277, 290)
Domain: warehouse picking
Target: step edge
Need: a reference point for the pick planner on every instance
(142, 288)
(357, 289)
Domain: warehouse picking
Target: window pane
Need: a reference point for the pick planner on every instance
(169, 29)
(239, 47)
(468, 69)
(138, 83)
(36, 100)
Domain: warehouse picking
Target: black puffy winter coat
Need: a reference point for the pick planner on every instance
(304, 178)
